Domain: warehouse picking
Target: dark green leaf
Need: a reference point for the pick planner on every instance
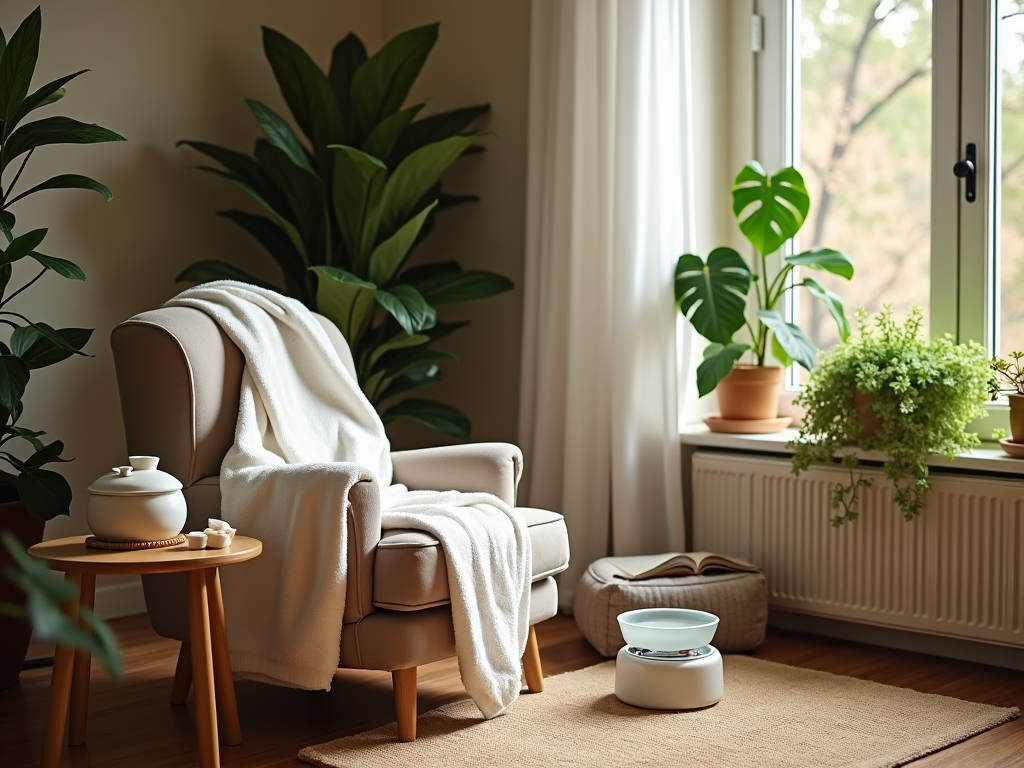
(770, 210)
(347, 57)
(44, 493)
(418, 274)
(406, 305)
(47, 94)
(382, 138)
(5, 277)
(19, 63)
(305, 195)
(713, 295)
(414, 177)
(307, 92)
(39, 351)
(389, 255)
(7, 222)
(345, 300)
(780, 354)
(417, 378)
(3, 43)
(13, 379)
(32, 438)
(443, 290)
(435, 128)
(208, 270)
(68, 181)
(62, 267)
(824, 258)
(718, 362)
(381, 85)
(45, 455)
(274, 239)
(279, 133)
(244, 169)
(833, 302)
(401, 340)
(54, 130)
(439, 417)
(794, 341)
(357, 186)
(21, 246)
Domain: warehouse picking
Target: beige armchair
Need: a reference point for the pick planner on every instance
(179, 379)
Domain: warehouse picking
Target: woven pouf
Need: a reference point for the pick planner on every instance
(739, 600)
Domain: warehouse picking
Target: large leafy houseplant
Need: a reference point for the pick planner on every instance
(33, 344)
(889, 389)
(344, 209)
(713, 293)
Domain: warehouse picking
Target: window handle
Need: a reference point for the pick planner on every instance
(967, 169)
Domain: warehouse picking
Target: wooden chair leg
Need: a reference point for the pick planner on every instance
(404, 681)
(531, 664)
(182, 675)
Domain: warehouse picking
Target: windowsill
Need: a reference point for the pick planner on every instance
(986, 458)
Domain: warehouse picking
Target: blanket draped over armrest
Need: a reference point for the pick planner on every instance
(305, 435)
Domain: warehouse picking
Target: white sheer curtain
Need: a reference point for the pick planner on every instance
(608, 213)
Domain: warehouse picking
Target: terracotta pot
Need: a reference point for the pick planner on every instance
(750, 392)
(1017, 418)
(870, 423)
(15, 634)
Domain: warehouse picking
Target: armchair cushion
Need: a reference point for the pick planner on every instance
(410, 572)
(490, 467)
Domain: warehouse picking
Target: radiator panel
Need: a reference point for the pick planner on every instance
(955, 571)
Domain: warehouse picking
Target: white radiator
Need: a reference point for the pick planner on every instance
(956, 571)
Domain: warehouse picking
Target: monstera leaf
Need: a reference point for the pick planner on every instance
(713, 294)
(770, 209)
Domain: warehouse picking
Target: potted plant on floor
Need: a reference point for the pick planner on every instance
(1008, 379)
(30, 494)
(889, 389)
(712, 293)
(345, 208)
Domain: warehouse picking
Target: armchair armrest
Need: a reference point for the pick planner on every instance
(490, 467)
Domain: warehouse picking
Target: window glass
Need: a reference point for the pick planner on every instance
(1010, 272)
(863, 116)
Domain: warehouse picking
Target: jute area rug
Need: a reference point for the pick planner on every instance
(772, 715)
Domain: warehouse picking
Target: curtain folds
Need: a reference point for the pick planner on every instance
(609, 210)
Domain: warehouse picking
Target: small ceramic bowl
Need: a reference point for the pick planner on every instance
(218, 539)
(196, 540)
(667, 629)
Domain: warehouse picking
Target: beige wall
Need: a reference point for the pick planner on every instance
(482, 56)
(161, 71)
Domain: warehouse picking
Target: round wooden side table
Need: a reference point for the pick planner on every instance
(211, 664)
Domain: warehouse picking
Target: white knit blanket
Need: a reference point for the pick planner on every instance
(305, 435)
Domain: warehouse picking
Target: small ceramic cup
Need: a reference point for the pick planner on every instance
(196, 539)
(218, 539)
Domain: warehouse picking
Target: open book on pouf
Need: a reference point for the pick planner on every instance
(677, 564)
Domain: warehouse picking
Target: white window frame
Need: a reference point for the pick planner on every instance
(963, 298)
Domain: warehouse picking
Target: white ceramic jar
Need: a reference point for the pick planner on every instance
(136, 503)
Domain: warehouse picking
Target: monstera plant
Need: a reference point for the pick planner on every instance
(33, 345)
(713, 293)
(344, 208)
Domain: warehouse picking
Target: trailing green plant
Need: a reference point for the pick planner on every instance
(34, 345)
(713, 293)
(345, 207)
(889, 389)
(1008, 375)
(46, 597)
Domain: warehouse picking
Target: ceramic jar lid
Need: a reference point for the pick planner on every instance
(142, 478)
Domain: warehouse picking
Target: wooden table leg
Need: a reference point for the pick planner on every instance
(227, 707)
(60, 690)
(182, 675)
(83, 665)
(202, 670)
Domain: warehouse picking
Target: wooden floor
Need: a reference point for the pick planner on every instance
(133, 724)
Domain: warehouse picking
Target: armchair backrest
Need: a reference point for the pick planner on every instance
(179, 378)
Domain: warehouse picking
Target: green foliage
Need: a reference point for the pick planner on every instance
(345, 207)
(46, 596)
(713, 293)
(1008, 375)
(34, 345)
(922, 393)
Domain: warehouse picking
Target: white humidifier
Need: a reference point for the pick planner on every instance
(668, 661)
